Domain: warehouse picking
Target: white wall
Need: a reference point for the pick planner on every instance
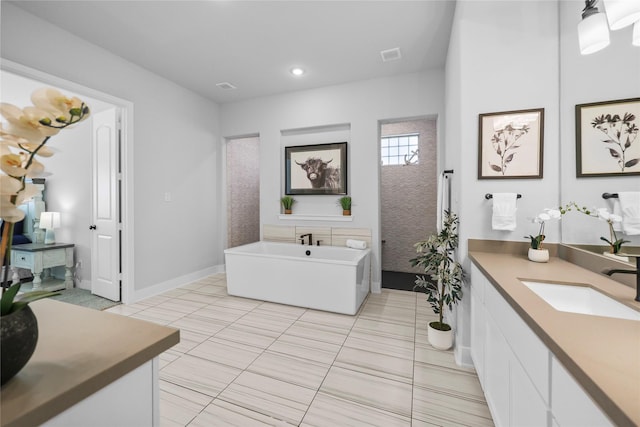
(503, 56)
(176, 148)
(610, 74)
(360, 105)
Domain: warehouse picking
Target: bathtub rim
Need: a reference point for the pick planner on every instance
(362, 252)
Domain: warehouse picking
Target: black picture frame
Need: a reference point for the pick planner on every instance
(316, 169)
(607, 141)
(511, 144)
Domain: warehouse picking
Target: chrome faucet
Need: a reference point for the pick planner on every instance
(623, 271)
(310, 236)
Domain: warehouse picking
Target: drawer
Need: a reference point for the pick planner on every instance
(22, 259)
(53, 258)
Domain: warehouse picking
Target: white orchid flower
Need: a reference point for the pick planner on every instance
(9, 186)
(542, 217)
(26, 123)
(553, 213)
(9, 140)
(603, 213)
(30, 190)
(11, 164)
(8, 211)
(615, 218)
(54, 102)
(35, 169)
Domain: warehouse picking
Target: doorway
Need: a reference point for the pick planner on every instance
(70, 189)
(408, 195)
(243, 190)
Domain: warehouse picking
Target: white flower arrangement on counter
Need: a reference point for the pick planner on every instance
(544, 216)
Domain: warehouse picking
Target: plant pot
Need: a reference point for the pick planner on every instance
(538, 255)
(441, 340)
(287, 211)
(346, 212)
(617, 257)
(18, 338)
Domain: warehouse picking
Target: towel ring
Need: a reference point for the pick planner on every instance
(519, 196)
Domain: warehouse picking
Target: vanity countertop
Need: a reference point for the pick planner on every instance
(602, 353)
(79, 352)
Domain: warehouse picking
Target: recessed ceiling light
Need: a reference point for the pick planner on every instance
(297, 71)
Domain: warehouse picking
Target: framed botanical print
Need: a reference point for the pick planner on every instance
(511, 144)
(607, 138)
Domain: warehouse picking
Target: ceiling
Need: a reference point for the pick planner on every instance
(254, 44)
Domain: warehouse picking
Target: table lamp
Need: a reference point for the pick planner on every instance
(49, 221)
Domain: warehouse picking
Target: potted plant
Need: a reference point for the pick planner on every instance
(615, 244)
(536, 252)
(18, 329)
(345, 202)
(435, 257)
(24, 136)
(287, 203)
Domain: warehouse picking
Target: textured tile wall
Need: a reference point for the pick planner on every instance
(408, 197)
(330, 236)
(243, 191)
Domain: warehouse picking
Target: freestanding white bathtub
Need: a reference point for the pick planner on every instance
(321, 277)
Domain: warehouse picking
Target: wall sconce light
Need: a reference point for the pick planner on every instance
(50, 221)
(593, 30)
(621, 13)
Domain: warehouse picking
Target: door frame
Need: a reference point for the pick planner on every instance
(126, 159)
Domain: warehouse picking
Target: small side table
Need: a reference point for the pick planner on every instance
(39, 257)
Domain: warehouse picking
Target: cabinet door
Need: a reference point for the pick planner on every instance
(527, 406)
(496, 374)
(477, 335)
(570, 404)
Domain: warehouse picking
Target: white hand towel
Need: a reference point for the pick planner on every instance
(630, 207)
(356, 244)
(504, 211)
(617, 210)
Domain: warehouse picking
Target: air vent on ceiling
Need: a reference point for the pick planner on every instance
(391, 54)
(225, 86)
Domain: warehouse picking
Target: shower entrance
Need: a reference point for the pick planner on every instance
(243, 190)
(408, 195)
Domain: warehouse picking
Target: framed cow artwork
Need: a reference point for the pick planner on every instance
(316, 169)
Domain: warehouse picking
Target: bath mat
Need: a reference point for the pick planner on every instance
(84, 298)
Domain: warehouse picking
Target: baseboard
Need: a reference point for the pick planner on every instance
(175, 283)
(462, 356)
(376, 287)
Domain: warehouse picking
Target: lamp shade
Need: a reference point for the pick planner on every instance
(636, 34)
(593, 33)
(49, 220)
(621, 13)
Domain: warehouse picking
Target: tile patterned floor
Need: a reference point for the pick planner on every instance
(244, 362)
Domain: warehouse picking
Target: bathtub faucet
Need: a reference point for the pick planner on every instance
(310, 236)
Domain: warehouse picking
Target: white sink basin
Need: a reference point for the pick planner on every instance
(581, 299)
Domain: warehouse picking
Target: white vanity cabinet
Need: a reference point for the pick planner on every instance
(518, 373)
(571, 405)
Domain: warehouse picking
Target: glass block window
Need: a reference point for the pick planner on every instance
(399, 149)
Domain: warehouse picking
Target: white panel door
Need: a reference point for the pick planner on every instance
(105, 248)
